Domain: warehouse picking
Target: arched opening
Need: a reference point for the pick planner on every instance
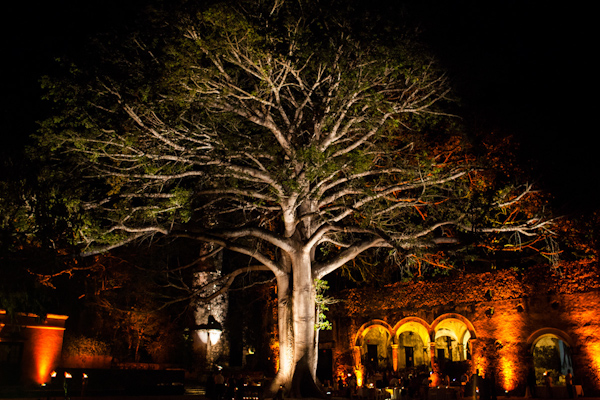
(551, 359)
(412, 352)
(412, 339)
(452, 347)
(447, 346)
(376, 349)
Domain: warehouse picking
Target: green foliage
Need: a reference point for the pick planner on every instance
(322, 303)
(39, 211)
(219, 117)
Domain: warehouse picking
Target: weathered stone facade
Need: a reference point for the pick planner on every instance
(30, 347)
(491, 322)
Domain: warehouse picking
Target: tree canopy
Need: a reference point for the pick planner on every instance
(297, 136)
(259, 113)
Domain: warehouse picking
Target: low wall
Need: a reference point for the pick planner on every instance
(93, 382)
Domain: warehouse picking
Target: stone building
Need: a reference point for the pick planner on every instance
(30, 348)
(506, 324)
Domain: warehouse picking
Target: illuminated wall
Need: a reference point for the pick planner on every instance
(499, 316)
(42, 343)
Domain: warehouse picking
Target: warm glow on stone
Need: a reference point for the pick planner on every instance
(42, 344)
(592, 351)
(508, 378)
(497, 320)
(46, 346)
(508, 330)
(359, 376)
(275, 354)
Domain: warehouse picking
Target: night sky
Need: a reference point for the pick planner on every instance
(520, 68)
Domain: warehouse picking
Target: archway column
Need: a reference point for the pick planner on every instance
(475, 356)
(357, 357)
(358, 368)
(435, 367)
(395, 357)
(432, 355)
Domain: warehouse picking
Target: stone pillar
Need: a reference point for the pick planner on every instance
(435, 368)
(358, 368)
(432, 355)
(395, 357)
(357, 358)
(475, 356)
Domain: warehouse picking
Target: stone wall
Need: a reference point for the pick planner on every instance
(41, 342)
(507, 311)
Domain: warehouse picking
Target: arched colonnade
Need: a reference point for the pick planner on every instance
(412, 342)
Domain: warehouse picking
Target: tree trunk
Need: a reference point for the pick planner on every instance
(296, 320)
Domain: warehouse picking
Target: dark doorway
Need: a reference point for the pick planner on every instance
(409, 355)
(10, 362)
(325, 366)
(372, 356)
(441, 354)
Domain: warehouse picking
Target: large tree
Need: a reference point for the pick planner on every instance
(288, 133)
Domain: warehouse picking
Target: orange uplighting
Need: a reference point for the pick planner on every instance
(274, 345)
(508, 377)
(359, 376)
(46, 349)
(481, 364)
(592, 350)
(42, 343)
(509, 329)
(68, 375)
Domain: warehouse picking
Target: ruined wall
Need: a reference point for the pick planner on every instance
(42, 340)
(508, 310)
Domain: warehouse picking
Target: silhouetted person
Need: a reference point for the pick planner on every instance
(475, 382)
(219, 381)
(492, 385)
(280, 393)
(531, 382)
(548, 383)
(66, 386)
(230, 391)
(463, 385)
(569, 382)
(485, 388)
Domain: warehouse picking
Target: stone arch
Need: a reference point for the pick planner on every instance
(537, 335)
(550, 351)
(412, 338)
(456, 316)
(381, 345)
(362, 331)
(414, 324)
(459, 329)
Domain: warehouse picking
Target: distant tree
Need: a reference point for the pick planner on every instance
(289, 133)
(78, 345)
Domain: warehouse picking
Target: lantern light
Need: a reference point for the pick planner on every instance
(210, 331)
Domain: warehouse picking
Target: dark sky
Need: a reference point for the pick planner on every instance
(524, 68)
